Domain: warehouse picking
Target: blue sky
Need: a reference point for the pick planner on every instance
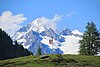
(75, 13)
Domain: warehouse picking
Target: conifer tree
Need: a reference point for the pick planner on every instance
(8, 49)
(39, 51)
(90, 44)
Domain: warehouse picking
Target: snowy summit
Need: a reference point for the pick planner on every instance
(36, 34)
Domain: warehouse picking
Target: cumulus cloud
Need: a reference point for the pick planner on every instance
(10, 23)
(51, 23)
(69, 15)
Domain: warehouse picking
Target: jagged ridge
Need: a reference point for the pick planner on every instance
(35, 34)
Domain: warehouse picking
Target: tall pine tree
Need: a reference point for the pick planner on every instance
(90, 44)
(39, 50)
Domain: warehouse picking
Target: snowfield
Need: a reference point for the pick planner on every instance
(35, 34)
(70, 46)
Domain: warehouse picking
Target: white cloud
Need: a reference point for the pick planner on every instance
(10, 23)
(51, 23)
(69, 15)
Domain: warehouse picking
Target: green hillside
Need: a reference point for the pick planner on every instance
(53, 61)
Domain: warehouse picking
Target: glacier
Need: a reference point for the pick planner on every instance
(35, 35)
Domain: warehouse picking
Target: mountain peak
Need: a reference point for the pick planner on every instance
(35, 34)
(35, 21)
(37, 26)
(66, 31)
(77, 32)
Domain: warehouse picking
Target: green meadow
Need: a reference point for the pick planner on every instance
(53, 61)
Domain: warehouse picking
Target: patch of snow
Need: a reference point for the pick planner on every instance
(21, 40)
(46, 41)
(37, 26)
(26, 47)
(77, 32)
(71, 45)
(19, 35)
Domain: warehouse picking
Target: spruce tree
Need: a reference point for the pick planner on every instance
(39, 51)
(90, 44)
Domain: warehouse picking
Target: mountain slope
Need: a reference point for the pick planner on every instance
(68, 61)
(8, 49)
(66, 32)
(35, 34)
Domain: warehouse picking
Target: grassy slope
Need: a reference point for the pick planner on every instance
(69, 61)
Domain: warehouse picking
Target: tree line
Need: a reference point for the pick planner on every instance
(10, 50)
(90, 43)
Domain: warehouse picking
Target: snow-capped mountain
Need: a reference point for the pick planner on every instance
(66, 32)
(35, 35)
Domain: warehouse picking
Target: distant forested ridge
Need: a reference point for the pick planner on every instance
(8, 49)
